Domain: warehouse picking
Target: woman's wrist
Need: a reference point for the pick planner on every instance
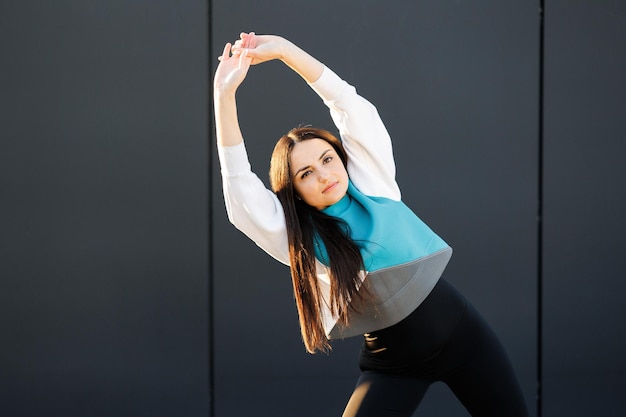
(224, 92)
(285, 50)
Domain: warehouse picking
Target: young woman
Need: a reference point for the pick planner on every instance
(362, 263)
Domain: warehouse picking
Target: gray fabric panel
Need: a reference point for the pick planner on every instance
(397, 292)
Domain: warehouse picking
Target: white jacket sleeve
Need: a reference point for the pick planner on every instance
(371, 164)
(256, 211)
(251, 207)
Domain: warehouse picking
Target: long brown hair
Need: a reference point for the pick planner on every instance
(305, 224)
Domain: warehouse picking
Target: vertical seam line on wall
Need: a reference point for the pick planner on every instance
(210, 292)
(540, 212)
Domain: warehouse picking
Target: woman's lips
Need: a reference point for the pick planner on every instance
(330, 187)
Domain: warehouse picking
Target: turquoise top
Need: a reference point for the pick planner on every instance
(388, 231)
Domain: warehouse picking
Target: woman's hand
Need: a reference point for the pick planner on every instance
(261, 48)
(231, 71)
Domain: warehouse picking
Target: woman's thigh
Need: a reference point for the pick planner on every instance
(478, 371)
(381, 395)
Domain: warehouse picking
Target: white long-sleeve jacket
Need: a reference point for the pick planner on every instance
(406, 257)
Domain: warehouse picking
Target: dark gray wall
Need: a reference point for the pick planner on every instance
(104, 198)
(457, 87)
(103, 208)
(585, 188)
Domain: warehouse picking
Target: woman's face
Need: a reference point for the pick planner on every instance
(318, 174)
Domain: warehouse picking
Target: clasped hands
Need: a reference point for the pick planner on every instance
(249, 49)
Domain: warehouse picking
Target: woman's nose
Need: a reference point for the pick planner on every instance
(322, 175)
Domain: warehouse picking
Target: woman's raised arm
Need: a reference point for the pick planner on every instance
(229, 75)
(262, 48)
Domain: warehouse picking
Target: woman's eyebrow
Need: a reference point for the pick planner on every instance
(309, 166)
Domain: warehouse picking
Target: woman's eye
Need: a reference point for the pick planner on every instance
(305, 174)
(328, 159)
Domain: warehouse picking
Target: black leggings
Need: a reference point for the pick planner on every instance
(444, 339)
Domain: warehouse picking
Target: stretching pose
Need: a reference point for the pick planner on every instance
(362, 263)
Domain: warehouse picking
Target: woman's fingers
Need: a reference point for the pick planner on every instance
(244, 60)
(226, 52)
(252, 40)
(247, 41)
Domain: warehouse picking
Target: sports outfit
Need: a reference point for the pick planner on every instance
(417, 329)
